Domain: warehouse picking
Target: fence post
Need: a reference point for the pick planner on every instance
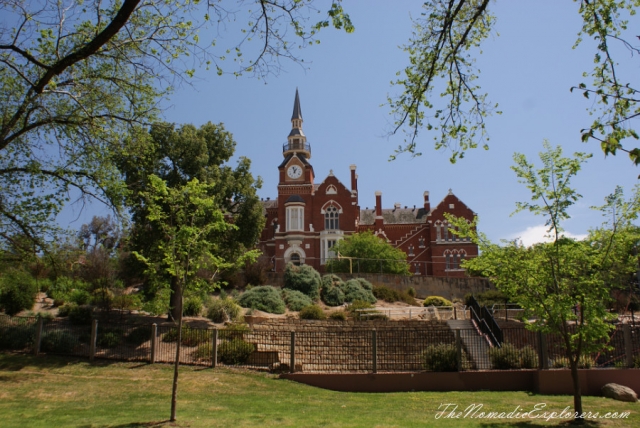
(214, 354)
(458, 350)
(374, 349)
(455, 313)
(154, 339)
(36, 345)
(292, 360)
(628, 345)
(94, 337)
(542, 351)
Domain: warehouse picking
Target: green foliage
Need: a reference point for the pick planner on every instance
(256, 273)
(79, 297)
(370, 254)
(338, 316)
(263, 298)
(64, 310)
(235, 351)
(331, 290)
(382, 292)
(159, 304)
(440, 358)
(57, 342)
(509, 357)
(109, 338)
(303, 278)
(127, 302)
(312, 312)
(488, 298)
(18, 291)
(138, 335)
(436, 301)
(80, 315)
(295, 300)
(222, 310)
(233, 330)
(16, 337)
(190, 336)
(353, 290)
(203, 352)
(411, 292)
(192, 307)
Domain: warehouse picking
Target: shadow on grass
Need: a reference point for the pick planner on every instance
(17, 362)
(136, 425)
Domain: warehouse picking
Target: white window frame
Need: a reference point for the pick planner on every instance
(295, 218)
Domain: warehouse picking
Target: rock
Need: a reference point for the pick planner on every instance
(619, 392)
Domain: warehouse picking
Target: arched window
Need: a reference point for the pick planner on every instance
(446, 231)
(411, 248)
(295, 259)
(438, 230)
(331, 218)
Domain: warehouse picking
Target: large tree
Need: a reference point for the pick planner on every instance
(177, 156)
(365, 252)
(565, 284)
(190, 224)
(76, 76)
(441, 86)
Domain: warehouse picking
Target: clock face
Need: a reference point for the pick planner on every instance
(294, 171)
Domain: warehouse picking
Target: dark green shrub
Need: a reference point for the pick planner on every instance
(102, 297)
(80, 315)
(333, 296)
(18, 291)
(440, 358)
(436, 301)
(256, 273)
(263, 298)
(192, 307)
(506, 357)
(46, 317)
(296, 300)
(190, 336)
(353, 290)
(63, 311)
(203, 352)
(57, 341)
(487, 298)
(528, 358)
(358, 304)
(222, 310)
(329, 281)
(312, 312)
(17, 337)
(411, 292)
(79, 297)
(235, 351)
(108, 338)
(365, 284)
(303, 278)
(138, 335)
(233, 331)
(382, 292)
(127, 302)
(338, 316)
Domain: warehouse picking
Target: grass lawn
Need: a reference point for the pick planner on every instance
(63, 392)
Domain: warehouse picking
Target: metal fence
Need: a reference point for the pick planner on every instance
(314, 347)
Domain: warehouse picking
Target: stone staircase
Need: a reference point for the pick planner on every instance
(474, 342)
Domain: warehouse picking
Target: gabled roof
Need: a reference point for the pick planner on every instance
(300, 156)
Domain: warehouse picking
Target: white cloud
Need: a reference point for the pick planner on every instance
(534, 234)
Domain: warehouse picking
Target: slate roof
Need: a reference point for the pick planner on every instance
(394, 216)
(294, 198)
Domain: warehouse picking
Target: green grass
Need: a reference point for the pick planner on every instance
(63, 392)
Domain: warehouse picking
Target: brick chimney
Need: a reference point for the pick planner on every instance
(379, 220)
(427, 204)
(354, 178)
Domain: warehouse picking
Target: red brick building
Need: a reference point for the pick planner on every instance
(307, 219)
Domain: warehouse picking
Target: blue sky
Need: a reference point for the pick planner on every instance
(528, 69)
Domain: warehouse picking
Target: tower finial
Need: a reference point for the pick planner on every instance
(297, 111)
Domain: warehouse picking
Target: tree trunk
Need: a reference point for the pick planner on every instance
(175, 302)
(577, 393)
(176, 366)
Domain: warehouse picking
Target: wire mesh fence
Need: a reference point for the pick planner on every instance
(327, 347)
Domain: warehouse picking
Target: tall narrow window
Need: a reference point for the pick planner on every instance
(447, 261)
(295, 218)
(411, 248)
(331, 219)
(446, 231)
(438, 231)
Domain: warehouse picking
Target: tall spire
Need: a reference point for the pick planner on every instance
(297, 111)
(297, 141)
